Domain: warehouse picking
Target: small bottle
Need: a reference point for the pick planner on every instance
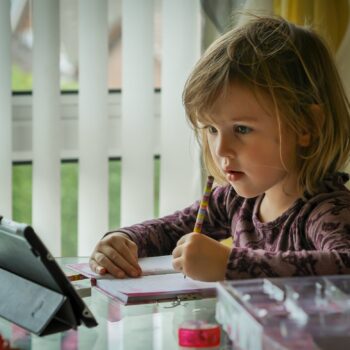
(197, 334)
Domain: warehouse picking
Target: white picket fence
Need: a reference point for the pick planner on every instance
(94, 125)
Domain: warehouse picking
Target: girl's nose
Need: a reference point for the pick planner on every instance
(224, 146)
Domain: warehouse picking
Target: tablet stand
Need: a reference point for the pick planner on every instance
(34, 307)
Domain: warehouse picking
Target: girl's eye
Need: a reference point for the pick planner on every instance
(211, 130)
(241, 129)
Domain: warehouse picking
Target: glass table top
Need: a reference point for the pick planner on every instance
(143, 326)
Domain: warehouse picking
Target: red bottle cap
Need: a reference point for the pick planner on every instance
(199, 334)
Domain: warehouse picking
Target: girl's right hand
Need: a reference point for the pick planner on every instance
(116, 254)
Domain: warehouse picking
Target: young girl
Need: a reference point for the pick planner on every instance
(273, 120)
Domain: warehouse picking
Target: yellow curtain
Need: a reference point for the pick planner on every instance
(329, 18)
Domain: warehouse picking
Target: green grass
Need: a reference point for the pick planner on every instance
(22, 193)
(22, 198)
(69, 209)
(21, 80)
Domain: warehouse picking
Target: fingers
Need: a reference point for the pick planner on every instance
(96, 267)
(181, 245)
(117, 255)
(101, 260)
(178, 260)
(177, 252)
(128, 253)
(182, 240)
(102, 263)
(178, 264)
(183, 253)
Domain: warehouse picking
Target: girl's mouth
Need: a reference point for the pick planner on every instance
(233, 176)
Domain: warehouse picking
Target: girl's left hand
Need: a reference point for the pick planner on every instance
(201, 257)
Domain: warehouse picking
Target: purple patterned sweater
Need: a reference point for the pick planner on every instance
(310, 238)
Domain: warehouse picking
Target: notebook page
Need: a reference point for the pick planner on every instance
(155, 265)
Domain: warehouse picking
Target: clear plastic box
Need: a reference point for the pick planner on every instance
(286, 313)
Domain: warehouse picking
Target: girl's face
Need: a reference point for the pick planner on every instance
(245, 141)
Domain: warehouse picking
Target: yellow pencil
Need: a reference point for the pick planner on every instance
(203, 206)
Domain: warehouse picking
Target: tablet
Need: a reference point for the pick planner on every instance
(40, 298)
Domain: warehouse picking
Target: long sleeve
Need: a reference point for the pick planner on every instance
(323, 246)
(250, 263)
(159, 236)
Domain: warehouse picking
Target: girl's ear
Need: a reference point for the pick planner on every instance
(304, 139)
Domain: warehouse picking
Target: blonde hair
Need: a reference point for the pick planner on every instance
(294, 67)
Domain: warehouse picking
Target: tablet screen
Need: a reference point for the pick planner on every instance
(24, 254)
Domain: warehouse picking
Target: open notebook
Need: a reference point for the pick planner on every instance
(158, 282)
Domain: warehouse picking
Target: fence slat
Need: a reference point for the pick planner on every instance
(180, 171)
(93, 145)
(137, 191)
(6, 115)
(46, 128)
